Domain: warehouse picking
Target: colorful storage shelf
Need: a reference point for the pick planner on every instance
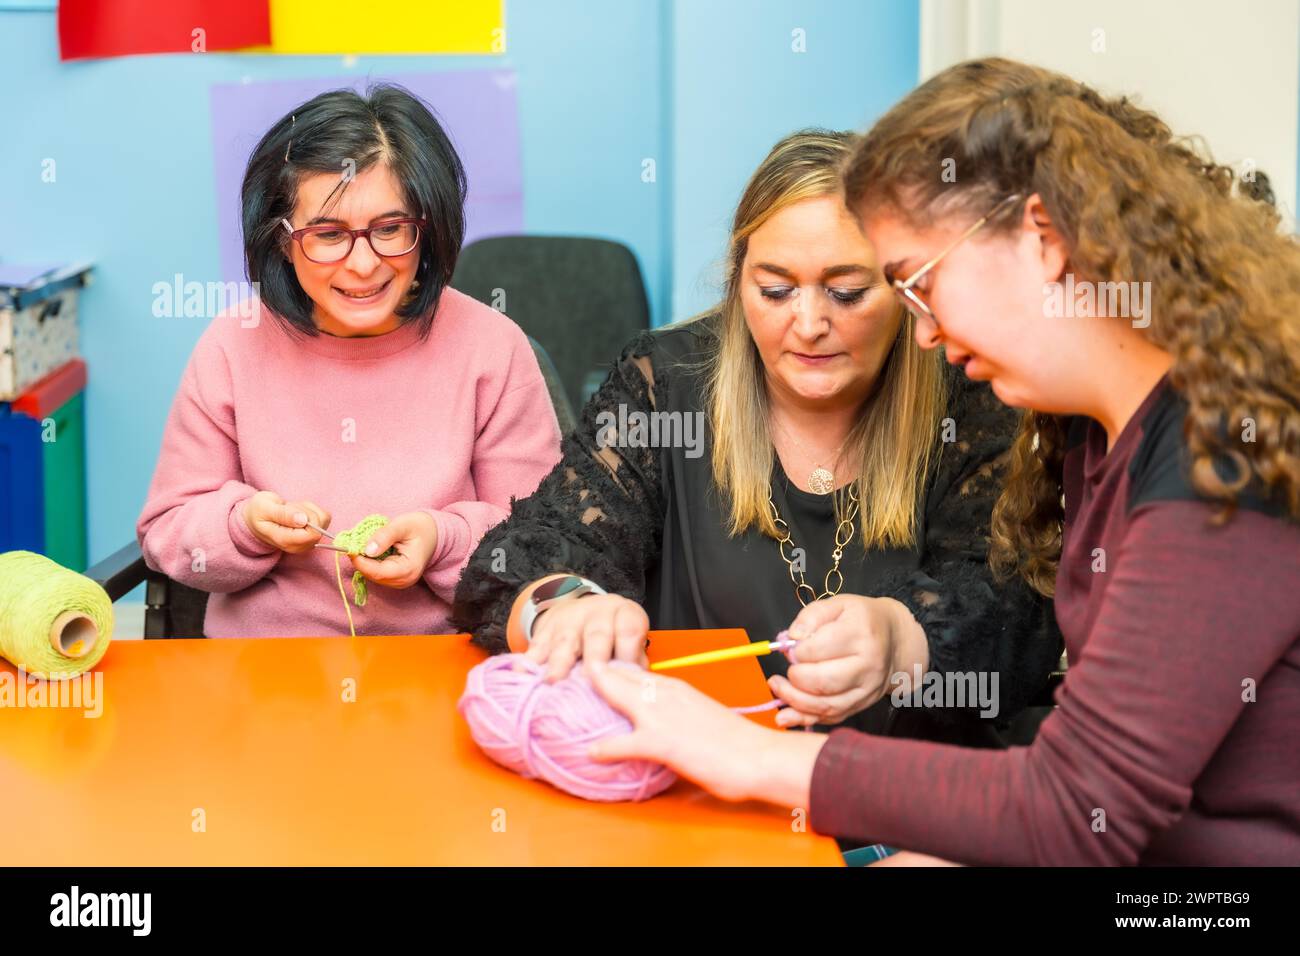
(38, 322)
(43, 468)
(42, 414)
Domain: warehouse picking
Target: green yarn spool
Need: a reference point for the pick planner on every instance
(54, 623)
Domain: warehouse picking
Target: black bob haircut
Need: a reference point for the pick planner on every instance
(345, 133)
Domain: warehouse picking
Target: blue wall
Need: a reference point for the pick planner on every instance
(702, 88)
(738, 87)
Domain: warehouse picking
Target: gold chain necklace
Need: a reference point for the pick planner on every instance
(845, 529)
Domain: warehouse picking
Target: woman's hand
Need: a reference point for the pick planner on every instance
(849, 648)
(283, 524)
(414, 535)
(727, 754)
(596, 627)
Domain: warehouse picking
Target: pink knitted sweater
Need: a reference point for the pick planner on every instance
(454, 425)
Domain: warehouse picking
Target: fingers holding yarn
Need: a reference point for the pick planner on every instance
(539, 645)
(609, 730)
(394, 571)
(394, 553)
(557, 638)
(837, 675)
(598, 633)
(565, 647)
(808, 709)
(613, 628)
(597, 628)
(679, 726)
(631, 625)
(623, 688)
(381, 539)
(796, 698)
(616, 749)
(641, 696)
(551, 741)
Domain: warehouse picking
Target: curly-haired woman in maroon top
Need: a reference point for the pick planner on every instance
(1067, 249)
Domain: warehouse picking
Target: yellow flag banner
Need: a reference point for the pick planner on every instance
(388, 26)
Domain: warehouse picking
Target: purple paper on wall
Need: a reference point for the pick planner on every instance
(477, 108)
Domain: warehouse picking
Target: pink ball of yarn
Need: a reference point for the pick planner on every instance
(543, 730)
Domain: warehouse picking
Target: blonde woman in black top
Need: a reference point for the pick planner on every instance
(793, 445)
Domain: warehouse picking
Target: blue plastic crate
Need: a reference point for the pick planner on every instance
(22, 495)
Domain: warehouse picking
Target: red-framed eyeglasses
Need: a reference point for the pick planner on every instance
(329, 243)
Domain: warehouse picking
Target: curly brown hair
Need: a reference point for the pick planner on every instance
(1130, 200)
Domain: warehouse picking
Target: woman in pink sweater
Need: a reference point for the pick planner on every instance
(359, 383)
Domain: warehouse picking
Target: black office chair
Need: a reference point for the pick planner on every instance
(583, 299)
(174, 610)
(555, 387)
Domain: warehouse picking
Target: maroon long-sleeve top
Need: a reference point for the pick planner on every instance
(1177, 733)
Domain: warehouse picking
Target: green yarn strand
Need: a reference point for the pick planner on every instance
(353, 541)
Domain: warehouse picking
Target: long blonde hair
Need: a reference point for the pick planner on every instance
(894, 439)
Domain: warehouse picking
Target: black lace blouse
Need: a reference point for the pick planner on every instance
(649, 523)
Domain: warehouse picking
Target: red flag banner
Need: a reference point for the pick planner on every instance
(102, 28)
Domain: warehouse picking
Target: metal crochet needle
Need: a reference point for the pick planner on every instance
(327, 547)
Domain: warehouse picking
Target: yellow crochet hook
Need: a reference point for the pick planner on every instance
(756, 649)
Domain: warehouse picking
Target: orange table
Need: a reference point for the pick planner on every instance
(254, 739)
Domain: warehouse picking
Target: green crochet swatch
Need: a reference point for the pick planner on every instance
(353, 541)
